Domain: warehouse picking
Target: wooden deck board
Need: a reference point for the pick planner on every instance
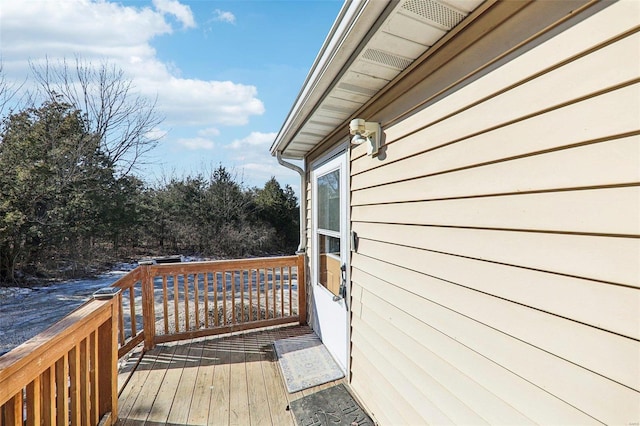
(257, 391)
(219, 404)
(129, 391)
(185, 393)
(203, 389)
(276, 392)
(216, 381)
(142, 398)
(161, 405)
(238, 393)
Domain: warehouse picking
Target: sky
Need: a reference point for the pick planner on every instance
(225, 73)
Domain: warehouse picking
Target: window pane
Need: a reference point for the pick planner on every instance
(329, 262)
(329, 201)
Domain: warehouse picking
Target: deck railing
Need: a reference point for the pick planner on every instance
(130, 331)
(167, 302)
(68, 373)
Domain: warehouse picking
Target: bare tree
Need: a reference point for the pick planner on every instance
(123, 119)
(8, 92)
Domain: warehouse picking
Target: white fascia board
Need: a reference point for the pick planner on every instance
(349, 29)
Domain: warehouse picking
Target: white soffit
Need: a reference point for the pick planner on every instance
(411, 28)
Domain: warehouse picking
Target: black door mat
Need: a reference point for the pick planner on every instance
(332, 406)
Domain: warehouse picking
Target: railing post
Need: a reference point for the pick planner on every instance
(302, 290)
(148, 308)
(108, 366)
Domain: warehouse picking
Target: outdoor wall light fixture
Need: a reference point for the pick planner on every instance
(366, 131)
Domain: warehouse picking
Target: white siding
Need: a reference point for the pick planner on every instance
(497, 276)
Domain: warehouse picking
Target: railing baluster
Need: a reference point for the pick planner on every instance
(49, 397)
(281, 292)
(33, 402)
(121, 319)
(250, 283)
(85, 395)
(165, 308)
(216, 320)
(289, 270)
(74, 384)
(176, 303)
(132, 311)
(233, 297)
(266, 293)
(196, 297)
(93, 351)
(224, 297)
(258, 291)
(62, 391)
(206, 299)
(241, 273)
(13, 414)
(275, 292)
(185, 278)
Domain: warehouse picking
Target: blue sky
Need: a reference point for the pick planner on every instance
(225, 72)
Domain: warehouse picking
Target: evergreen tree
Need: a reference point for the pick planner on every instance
(52, 170)
(279, 208)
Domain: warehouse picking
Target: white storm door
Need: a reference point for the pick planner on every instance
(329, 256)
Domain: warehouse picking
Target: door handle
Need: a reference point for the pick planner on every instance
(342, 291)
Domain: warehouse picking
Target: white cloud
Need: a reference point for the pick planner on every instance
(224, 16)
(196, 143)
(99, 30)
(157, 134)
(31, 29)
(199, 102)
(181, 12)
(267, 167)
(252, 156)
(210, 131)
(254, 139)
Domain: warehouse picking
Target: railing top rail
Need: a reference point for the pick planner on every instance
(219, 265)
(128, 280)
(50, 344)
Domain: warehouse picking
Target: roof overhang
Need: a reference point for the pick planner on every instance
(370, 44)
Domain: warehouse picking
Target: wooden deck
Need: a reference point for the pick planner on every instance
(233, 380)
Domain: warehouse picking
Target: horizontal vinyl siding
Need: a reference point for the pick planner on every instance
(608, 211)
(534, 173)
(473, 351)
(497, 274)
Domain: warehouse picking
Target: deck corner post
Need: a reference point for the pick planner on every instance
(148, 308)
(108, 363)
(302, 289)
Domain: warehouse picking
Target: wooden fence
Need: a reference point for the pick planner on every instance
(68, 373)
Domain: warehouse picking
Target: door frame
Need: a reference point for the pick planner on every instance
(339, 156)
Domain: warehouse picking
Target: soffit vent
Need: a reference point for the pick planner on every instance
(388, 59)
(434, 11)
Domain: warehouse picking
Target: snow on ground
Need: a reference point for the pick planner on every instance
(25, 312)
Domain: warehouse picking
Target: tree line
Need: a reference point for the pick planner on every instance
(70, 202)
